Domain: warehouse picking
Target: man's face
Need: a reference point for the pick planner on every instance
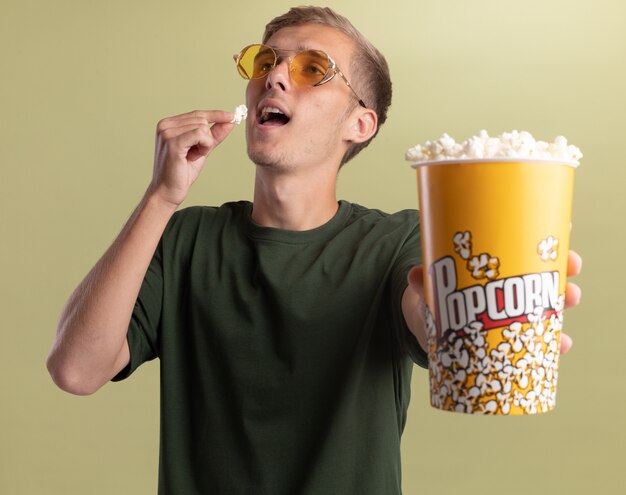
(313, 132)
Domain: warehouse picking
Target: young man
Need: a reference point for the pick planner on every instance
(284, 327)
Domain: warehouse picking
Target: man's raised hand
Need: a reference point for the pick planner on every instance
(182, 145)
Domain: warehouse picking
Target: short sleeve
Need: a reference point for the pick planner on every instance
(143, 329)
(410, 254)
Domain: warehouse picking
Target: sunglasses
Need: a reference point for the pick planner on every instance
(307, 67)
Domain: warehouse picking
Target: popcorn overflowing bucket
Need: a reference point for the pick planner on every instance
(495, 238)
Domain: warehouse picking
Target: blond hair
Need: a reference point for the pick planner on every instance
(369, 68)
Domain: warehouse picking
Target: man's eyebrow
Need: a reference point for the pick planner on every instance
(299, 48)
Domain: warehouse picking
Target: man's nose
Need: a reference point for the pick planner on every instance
(279, 77)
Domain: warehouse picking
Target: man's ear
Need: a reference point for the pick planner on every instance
(362, 125)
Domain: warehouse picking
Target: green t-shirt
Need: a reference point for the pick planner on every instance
(285, 359)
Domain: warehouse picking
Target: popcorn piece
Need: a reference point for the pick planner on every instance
(484, 266)
(514, 144)
(241, 113)
(547, 249)
(463, 244)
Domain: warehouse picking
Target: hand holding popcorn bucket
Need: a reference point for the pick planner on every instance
(495, 242)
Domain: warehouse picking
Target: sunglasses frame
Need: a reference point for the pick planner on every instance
(329, 75)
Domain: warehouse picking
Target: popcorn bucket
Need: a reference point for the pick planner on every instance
(495, 241)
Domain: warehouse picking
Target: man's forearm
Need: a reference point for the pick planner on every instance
(90, 346)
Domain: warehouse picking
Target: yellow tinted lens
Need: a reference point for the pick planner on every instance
(309, 67)
(256, 61)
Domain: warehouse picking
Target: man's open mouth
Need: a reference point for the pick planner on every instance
(272, 116)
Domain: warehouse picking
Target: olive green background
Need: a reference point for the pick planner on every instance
(83, 84)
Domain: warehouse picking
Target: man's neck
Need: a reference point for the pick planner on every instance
(293, 201)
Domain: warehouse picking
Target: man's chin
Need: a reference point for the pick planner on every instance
(264, 160)
(265, 156)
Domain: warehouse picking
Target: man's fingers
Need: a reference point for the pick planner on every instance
(572, 295)
(216, 116)
(193, 134)
(574, 263)
(221, 130)
(209, 115)
(572, 291)
(566, 343)
(202, 137)
(174, 132)
(197, 116)
(167, 124)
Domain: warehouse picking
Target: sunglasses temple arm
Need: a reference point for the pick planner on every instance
(361, 102)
